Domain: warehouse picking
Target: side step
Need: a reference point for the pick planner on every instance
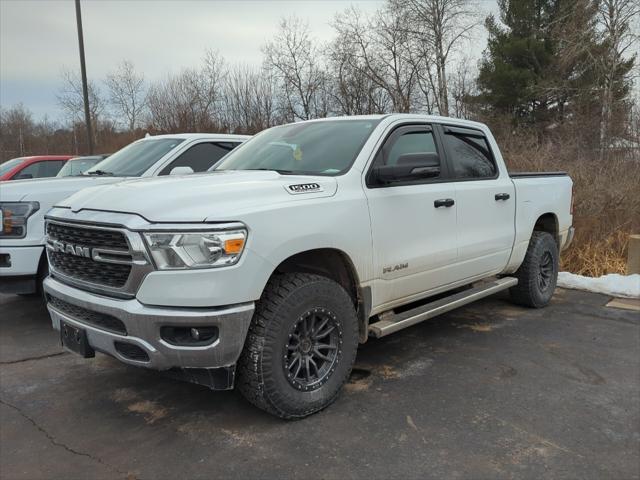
(391, 322)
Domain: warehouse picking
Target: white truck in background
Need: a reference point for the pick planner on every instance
(302, 242)
(24, 203)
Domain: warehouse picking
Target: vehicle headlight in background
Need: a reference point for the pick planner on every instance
(13, 218)
(184, 250)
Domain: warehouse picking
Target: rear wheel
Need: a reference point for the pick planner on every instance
(301, 345)
(538, 274)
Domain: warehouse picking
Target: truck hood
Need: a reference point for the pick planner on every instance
(48, 190)
(213, 196)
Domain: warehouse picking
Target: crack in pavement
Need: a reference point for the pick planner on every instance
(28, 359)
(53, 441)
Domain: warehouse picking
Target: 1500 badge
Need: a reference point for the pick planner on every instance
(305, 188)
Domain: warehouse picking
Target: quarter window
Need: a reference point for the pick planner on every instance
(470, 155)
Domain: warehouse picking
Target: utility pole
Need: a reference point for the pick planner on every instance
(83, 70)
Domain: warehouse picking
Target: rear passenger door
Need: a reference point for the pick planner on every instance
(201, 157)
(485, 201)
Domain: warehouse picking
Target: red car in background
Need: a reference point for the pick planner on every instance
(41, 166)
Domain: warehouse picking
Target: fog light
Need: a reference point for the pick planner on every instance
(189, 336)
(5, 260)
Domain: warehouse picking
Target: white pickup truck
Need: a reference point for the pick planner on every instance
(302, 242)
(24, 203)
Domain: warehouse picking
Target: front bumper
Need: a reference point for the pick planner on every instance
(19, 269)
(143, 325)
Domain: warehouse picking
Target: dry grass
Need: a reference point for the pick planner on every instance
(607, 196)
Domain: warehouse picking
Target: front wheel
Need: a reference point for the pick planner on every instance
(538, 274)
(301, 345)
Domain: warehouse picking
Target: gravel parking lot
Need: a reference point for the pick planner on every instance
(487, 391)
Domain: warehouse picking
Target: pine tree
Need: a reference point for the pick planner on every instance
(539, 64)
(518, 57)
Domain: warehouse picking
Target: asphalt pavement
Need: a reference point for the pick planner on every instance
(491, 391)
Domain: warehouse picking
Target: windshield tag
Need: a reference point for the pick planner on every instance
(305, 188)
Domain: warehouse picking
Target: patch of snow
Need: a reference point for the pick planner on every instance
(613, 284)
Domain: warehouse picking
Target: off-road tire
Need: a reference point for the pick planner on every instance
(542, 251)
(261, 368)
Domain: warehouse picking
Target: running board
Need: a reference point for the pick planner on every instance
(391, 322)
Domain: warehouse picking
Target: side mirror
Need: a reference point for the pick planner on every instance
(410, 166)
(181, 171)
(23, 176)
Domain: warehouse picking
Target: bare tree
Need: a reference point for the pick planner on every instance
(619, 22)
(352, 91)
(190, 100)
(16, 128)
(127, 93)
(461, 87)
(377, 48)
(295, 61)
(249, 97)
(438, 26)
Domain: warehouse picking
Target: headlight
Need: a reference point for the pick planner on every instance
(13, 218)
(184, 250)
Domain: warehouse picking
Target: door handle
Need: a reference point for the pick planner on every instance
(502, 196)
(444, 202)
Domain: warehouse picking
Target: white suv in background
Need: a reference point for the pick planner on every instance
(24, 203)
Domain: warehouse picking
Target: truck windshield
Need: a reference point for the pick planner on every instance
(8, 165)
(136, 158)
(76, 166)
(326, 147)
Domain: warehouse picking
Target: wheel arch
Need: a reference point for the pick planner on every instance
(336, 265)
(548, 222)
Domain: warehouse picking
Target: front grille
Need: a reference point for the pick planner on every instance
(86, 269)
(82, 268)
(95, 319)
(90, 237)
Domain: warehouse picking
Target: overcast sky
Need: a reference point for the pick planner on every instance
(38, 38)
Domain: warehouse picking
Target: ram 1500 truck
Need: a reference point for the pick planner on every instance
(23, 203)
(304, 241)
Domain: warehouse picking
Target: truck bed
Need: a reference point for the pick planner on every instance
(537, 174)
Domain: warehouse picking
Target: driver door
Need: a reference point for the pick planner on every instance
(413, 222)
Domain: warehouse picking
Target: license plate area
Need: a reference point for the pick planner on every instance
(75, 339)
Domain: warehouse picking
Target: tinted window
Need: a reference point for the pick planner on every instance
(136, 158)
(50, 168)
(10, 164)
(30, 171)
(200, 157)
(326, 147)
(470, 156)
(40, 169)
(410, 142)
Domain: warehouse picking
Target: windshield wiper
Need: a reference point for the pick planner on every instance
(99, 173)
(280, 171)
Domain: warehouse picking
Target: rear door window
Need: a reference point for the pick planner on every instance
(469, 154)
